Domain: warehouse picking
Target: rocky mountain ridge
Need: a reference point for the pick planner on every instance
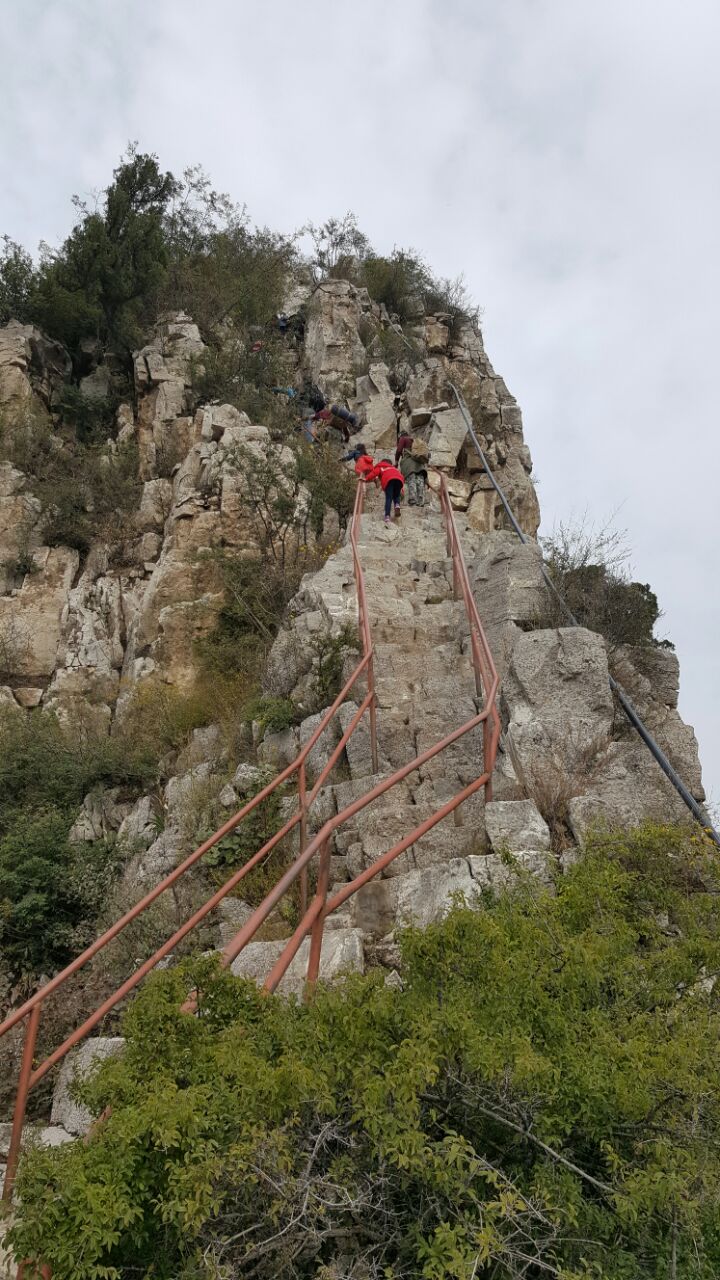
(83, 629)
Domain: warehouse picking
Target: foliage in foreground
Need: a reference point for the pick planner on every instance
(540, 1100)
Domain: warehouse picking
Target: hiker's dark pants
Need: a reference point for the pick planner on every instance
(393, 489)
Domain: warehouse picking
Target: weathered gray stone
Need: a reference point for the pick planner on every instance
(447, 437)
(557, 697)
(181, 791)
(247, 778)
(140, 828)
(325, 745)
(342, 953)
(101, 815)
(28, 696)
(69, 1115)
(499, 873)
(233, 913)
(278, 749)
(516, 826)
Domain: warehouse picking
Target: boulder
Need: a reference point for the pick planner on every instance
(333, 348)
(96, 386)
(66, 1113)
(374, 405)
(556, 699)
(31, 620)
(247, 779)
(278, 749)
(101, 815)
(342, 953)
(139, 828)
(446, 438)
(516, 826)
(32, 369)
(182, 791)
(325, 745)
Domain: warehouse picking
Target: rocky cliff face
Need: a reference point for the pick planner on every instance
(82, 628)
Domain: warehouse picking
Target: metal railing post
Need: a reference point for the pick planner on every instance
(28, 1054)
(302, 801)
(373, 718)
(316, 937)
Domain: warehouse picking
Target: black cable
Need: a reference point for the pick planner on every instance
(696, 809)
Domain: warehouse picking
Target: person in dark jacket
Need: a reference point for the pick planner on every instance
(404, 442)
(353, 454)
(392, 484)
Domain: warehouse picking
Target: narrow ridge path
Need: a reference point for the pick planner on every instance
(425, 688)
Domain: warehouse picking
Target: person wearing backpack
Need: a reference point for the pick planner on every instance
(404, 442)
(413, 465)
(392, 484)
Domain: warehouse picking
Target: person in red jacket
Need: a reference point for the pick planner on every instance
(364, 464)
(391, 482)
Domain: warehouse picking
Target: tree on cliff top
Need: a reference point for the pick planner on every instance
(99, 283)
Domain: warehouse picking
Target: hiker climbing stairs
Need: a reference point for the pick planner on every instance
(425, 688)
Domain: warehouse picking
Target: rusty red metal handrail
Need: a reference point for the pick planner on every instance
(483, 664)
(486, 683)
(314, 914)
(31, 1008)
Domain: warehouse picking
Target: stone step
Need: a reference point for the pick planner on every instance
(342, 952)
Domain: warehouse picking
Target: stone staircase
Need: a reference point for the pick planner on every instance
(425, 689)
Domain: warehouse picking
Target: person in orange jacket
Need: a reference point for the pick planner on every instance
(391, 482)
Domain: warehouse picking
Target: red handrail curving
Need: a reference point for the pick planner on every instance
(315, 913)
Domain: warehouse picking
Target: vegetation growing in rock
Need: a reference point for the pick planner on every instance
(86, 491)
(401, 281)
(540, 1099)
(51, 891)
(288, 497)
(589, 569)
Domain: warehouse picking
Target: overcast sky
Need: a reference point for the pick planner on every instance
(562, 154)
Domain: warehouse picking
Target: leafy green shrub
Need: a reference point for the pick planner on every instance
(402, 281)
(288, 502)
(539, 1099)
(86, 491)
(92, 420)
(46, 764)
(16, 281)
(328, 485)
(50, 893)
(330, 655)
(159, 718)
(233, 374)
(49, 889)
(101, 281)
(589, 569)
(272, 714)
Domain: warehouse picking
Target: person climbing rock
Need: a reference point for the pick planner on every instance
(400, 410)
(352, 455)
(391, 482)
(344, 421)
(413, 465)
(404, 442)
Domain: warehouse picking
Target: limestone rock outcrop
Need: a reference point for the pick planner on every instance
(79, 630)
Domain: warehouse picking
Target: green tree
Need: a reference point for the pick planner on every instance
(17, 277)
(101, 281)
